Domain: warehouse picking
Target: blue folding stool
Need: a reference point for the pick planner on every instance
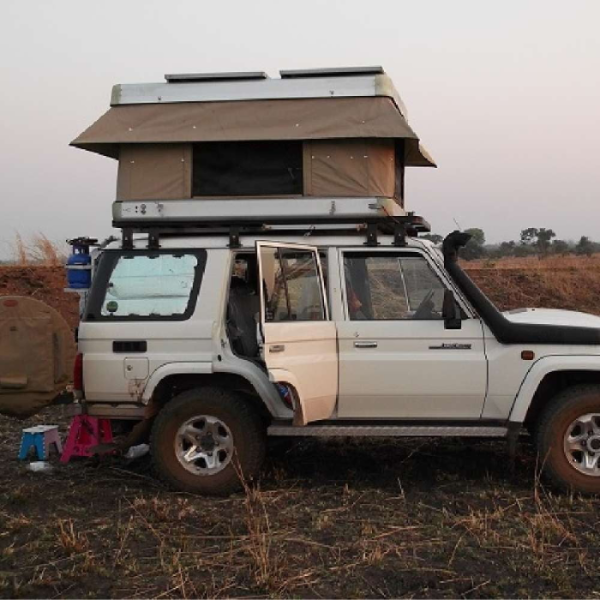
(40, 438)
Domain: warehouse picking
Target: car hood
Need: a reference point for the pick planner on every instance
(551, 316)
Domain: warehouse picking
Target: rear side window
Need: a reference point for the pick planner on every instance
(146, 286)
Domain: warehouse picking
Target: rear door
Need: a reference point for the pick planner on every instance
(300, 340)
(138, 319)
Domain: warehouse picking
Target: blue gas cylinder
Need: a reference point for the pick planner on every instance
(79, 267)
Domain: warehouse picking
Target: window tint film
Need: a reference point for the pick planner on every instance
(292, 285)
(387, 287)
(147, 286)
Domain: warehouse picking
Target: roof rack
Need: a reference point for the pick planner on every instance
(151, 219)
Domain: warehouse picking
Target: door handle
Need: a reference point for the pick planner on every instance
(277, 348)
(365, 344)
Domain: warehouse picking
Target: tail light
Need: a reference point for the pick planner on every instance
(78, 373)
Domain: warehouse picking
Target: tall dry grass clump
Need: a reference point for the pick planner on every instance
(46, 252)
(38, 251)
(20, 251)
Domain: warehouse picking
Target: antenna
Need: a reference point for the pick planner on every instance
(457, 224)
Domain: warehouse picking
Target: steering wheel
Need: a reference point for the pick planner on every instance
(425, 309)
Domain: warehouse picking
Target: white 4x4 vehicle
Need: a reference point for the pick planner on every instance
(218, 339)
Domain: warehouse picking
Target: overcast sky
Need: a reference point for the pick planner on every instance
(505, 95)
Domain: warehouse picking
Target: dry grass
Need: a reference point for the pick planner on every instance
(39, 250)
(569, 261)
(328, 519)
(70, 541)
(570, 282)
(20, 251)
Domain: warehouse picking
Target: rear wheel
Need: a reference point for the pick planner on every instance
(568, 439)
(205, 439)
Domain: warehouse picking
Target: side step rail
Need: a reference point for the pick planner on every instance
(371, 430)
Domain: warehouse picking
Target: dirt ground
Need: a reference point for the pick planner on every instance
(339, 518)
(409, 518)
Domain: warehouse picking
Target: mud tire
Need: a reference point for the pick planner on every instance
(563, 409)
(249, 439)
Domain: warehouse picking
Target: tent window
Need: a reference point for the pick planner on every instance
(247, 168)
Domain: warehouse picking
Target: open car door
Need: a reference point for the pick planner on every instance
(300, 342)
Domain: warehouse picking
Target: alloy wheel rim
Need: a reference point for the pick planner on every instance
(582, 444)
(204, 445)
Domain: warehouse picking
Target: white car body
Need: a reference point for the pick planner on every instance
(343, 370)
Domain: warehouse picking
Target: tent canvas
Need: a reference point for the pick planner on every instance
(37, 351)
(308, 134)
(301, 119)
(316, 168)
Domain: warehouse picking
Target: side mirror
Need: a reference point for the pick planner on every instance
(450, 311)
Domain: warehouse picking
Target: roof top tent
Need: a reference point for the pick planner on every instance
(219, 145)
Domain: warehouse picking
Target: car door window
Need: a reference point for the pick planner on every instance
(384, 287)
(291, 285)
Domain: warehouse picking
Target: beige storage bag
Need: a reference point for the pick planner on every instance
(37, 351)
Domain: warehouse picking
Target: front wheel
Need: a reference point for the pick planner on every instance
(568, 439)
(205, 440)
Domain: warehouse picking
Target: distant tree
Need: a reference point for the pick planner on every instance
(506, 249)
(475, 247)
(433, 237)
(560, 247)
(585, 246)
(544, 239)
(524, 250)
(528, 236)
(538, 239)
(477, 235)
